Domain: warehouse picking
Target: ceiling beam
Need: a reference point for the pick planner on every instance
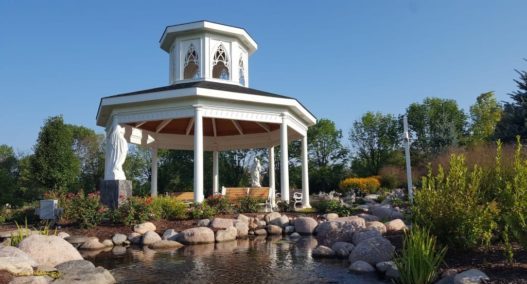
(140, 124)
(214, 127)
(237, 125)
(162, 125)
(189, 126)
(265, 127)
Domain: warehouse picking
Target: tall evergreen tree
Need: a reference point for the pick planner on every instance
(514, 119)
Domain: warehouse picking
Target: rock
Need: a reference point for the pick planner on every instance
(169, 234)
(243, 229)
(260, 232)
(127, 243)
(446, 280)
(274, 230)
(83, 272)
(289, 229)
(74, 265)
(203, 223)
(295, 235)
(361, 267)
(331, 216)
(118, 239)
(92, 244)
(362, 235)
(368, 217)
(356, 221)
(342, 249)
(221, 223)
(305, 225)
(472, 276)
(49, 250)
(16, 265)
(385, 212)
(449, 272)
(77, 241)
(107, 243)
(199, 235)
(45, 269)
(384, 265)
(322, 252)
(32, 280)
(150, 237)
(10, 251)
(144, 227)
(392, 272)
(63, 235)
(228, 234)
(244, 219)
(118, 250)
(372, 250)
(270, 217)
(165, 244)
(281, 222)
(376, 225)
(262, 224)
(134, 238)
(371, 197)
(330, 232)
(396, 225)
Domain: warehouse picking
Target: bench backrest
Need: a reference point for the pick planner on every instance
(184, 196)
(235, 193)
(259, 192)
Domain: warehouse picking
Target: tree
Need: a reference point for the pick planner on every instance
(54, 163)
(376, 141)
(88, 148)
(438, 124)
(514, 119)
(8, 176)
(485, 115)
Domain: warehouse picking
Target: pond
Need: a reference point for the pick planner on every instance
(258, 260)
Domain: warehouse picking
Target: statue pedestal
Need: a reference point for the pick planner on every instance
(115, 192)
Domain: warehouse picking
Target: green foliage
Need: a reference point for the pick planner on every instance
(324, 144)
(87, 147)
(333, 206)
(249, 204)
(8, 177)
(485, 114)
(84, 210)
(202, 211)
(450, 205)
(134, 211)
(166, 207)
(285, 207)
(54, 163)
(220, 203)
(514, 119)
(24, 231)
(376, 141)
(420, 258)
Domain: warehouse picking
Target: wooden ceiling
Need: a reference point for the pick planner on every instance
(211, 126)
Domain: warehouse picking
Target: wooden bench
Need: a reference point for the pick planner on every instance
(261, 193)
(235, 194)
(185, 197)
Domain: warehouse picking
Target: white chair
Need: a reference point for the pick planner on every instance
(297, 198)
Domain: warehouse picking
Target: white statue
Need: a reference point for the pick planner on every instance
(255, 173)
(115, 153)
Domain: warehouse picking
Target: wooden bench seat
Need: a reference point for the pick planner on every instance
(186, 197)
(259, 192)
(235, 194)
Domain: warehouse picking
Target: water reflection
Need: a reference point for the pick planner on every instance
(257, 260)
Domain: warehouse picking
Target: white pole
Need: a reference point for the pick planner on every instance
(406, 139)
(284, 161)
(305, 175)
(198, 155)
(153, 182)
(215, 172)
(272, 176)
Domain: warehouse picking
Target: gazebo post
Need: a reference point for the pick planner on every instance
(284, 161)
(305, 175)
(153, 181)
(198, 154)
(215, 173)
(272, 175)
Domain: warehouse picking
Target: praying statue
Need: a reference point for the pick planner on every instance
(255, 173)
(115, 153)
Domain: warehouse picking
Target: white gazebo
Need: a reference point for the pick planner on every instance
(208, 106)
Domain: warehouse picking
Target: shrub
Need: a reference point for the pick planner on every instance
(285, 207)
(220, 203)
(84, 210)
(451, 206)
(135, 210)
(333, 206)
(392, 177)
(166, 207)
(364, 185)
(420, 257)
(202, 211)
(249, 204)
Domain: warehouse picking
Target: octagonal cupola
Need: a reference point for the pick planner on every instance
(208, 51)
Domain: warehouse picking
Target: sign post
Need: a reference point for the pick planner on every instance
(406, 139)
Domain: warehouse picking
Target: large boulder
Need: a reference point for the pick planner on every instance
(150, 237)
(354, 221)
(396, 225)
(16, 265)
(134, 238)
(274, 230)
(360, 266)
(331, 216)
(372, 250)
(144, 227)
(385, 212)
(362, 235)
(228, 234)
(281, 222)
(322, 252)
(376, 225)
(368, 217)
(118, 239)
(204, 223)
(221, 223)
(10, 251)
(244, 219)
(289, 229)
(270, 217)
(260, 232)
(472, 276)
(169, 234)
(77, 241)
(342, 249)
(242, 228)
(330, 232)
(92, 244)
(32, 280)
(165, 244)
(199, 235)
(49, 250)
(83, 272)
(305, 225)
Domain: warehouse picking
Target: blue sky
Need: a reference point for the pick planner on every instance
(340, 58)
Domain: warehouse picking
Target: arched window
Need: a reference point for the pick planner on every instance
(241, 67)
(191, 69)
(220, 63)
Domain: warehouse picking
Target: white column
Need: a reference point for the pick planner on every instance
(198, 155)
(272, 182)
(153, 182)
(215, 173)
(305, 175)
(284, 161)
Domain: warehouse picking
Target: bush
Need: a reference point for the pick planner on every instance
(392, 177)
(134, 211)
(249, 204)
(420, 258)
(333, 206)
(166, 207)
(220, 203)
(202, 211)
(364, 185)
(285, 207)
(84, 210)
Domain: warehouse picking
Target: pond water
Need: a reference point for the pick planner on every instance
(258, 260)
